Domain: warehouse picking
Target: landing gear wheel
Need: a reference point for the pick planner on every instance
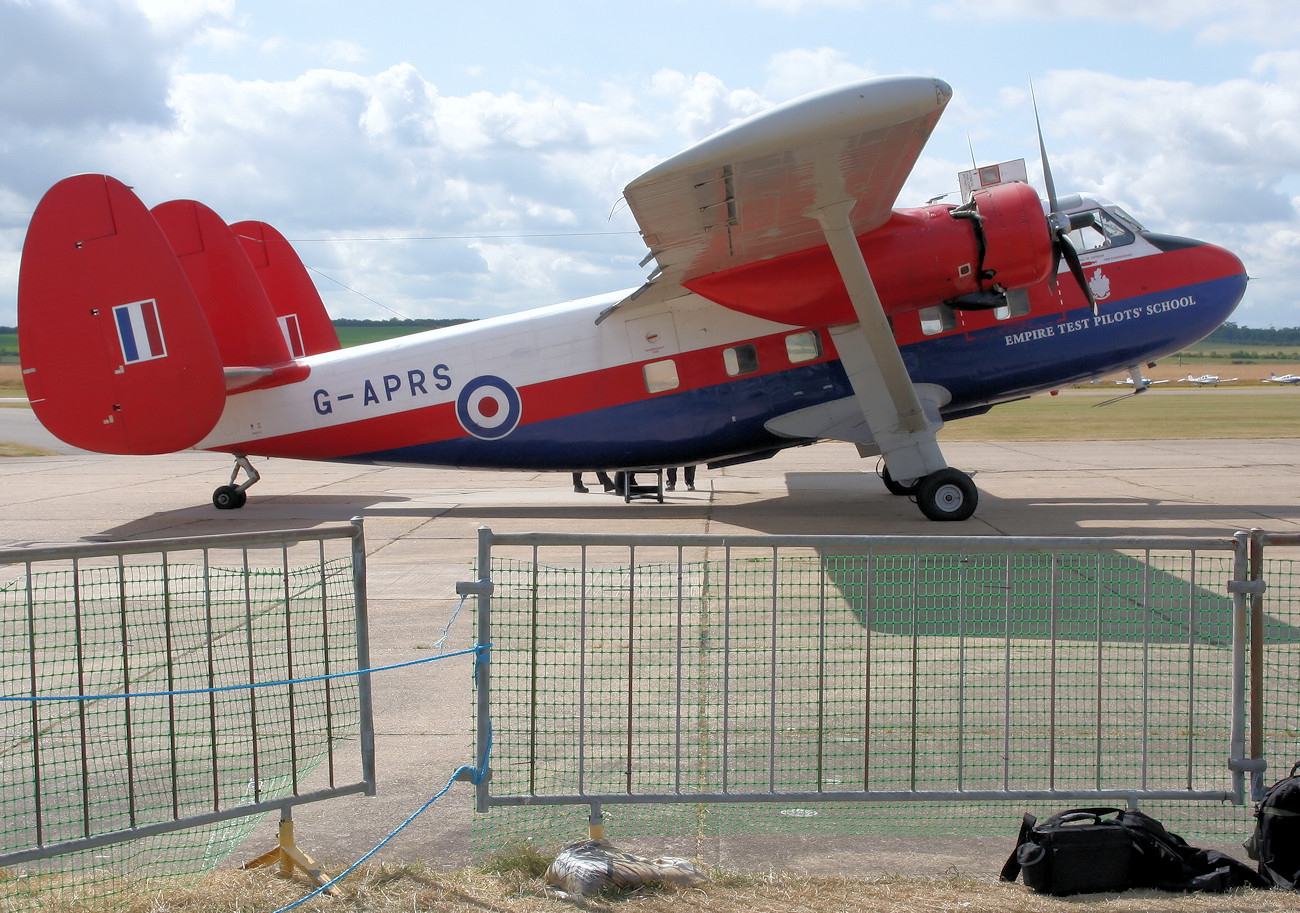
(948, 494)
(232, 496)
(895, 487)
(229, 497)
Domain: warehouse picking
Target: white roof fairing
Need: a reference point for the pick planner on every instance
(745, 194)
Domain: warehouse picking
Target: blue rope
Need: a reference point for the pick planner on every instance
(476, 777)
(482, 653)
(477, 649)
(476, 774)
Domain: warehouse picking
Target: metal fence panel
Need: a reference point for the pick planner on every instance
(154, 686)
(652, 669)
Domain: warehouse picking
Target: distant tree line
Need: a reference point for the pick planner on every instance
(1232, 335)
(418, 322)
(1227, 335)
(428, 323)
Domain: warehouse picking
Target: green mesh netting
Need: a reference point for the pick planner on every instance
(167, 633)
(880, 673)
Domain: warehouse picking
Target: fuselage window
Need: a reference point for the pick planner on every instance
(661, 376)
(1017, 305)
(804, 346)
(938, 319)
(742, 359)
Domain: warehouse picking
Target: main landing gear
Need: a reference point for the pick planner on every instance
(948, 494)
(232, 496)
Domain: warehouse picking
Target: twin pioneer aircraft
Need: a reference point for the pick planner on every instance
(789, 302)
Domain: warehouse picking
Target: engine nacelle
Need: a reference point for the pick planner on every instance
(920, 257)
(1016, 240)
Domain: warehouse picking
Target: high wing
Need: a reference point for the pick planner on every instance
(745, 194)
(817, 172)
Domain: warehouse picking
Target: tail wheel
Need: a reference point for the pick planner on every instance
(229, 497)
(948, 494)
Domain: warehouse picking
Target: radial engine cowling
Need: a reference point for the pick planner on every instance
(969, 254)
(1016, 243)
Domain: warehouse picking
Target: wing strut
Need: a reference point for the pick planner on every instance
(899, 423)
(869, 353)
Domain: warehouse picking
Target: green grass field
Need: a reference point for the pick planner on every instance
(1158, 414)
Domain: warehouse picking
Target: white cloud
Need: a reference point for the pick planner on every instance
(800, 71)
(703, 104)
(333, 154)
(183, 17)
(343, 53)
(66, 64)
(1206, 153)
(796, 7)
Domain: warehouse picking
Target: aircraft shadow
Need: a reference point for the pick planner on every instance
(1082, 597)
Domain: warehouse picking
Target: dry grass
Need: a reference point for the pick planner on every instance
(11, 379)
(416, 887)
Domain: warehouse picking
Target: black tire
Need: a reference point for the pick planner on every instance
(948, 494)
(898, 488)
(228, 497)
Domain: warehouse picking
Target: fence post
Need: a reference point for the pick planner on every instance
(1257, 583)
(1237, 589)
(481, 587)
(367, 720)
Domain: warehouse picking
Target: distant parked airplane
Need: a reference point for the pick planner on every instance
(1207, 380)
(1143, 382)
(1283, 379)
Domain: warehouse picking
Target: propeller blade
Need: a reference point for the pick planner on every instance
(1058, 222)
(1076, 268)
(1042, 151)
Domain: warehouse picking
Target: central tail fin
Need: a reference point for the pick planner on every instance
(306, 326)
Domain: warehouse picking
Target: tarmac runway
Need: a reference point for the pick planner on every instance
(420, 527)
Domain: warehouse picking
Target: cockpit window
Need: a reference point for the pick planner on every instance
(1097, 230)
(1122, 215)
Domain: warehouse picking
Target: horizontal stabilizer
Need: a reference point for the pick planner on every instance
(116, 354)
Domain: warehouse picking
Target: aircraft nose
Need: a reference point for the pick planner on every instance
(1220, 279)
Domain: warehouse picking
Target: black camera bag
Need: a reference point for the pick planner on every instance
(1275, 842)
(1087, 850)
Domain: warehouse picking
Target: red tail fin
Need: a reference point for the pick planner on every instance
(303, 320)
(116, 354)
(233, 300)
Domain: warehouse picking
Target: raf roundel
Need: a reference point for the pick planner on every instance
(488, 407)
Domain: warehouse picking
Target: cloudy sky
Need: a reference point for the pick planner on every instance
(441, 159)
